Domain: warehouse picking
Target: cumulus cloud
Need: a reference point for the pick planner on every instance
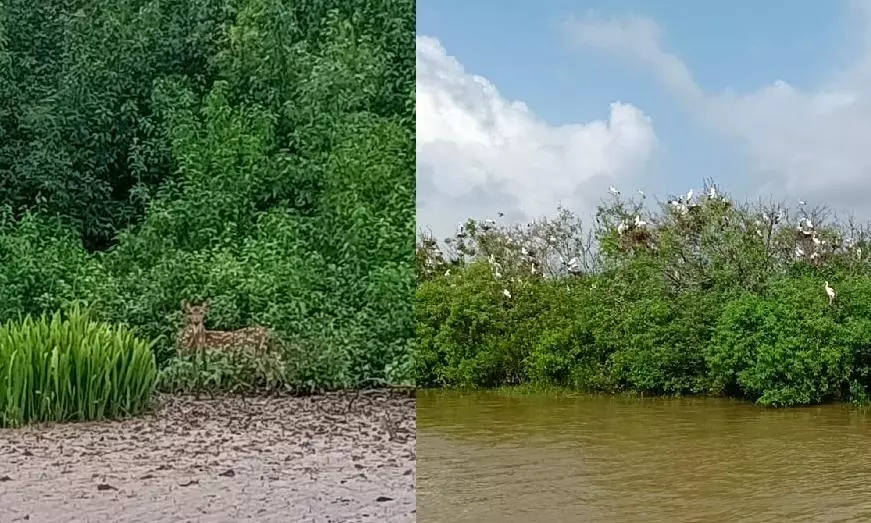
(479, 154)
(810, 143)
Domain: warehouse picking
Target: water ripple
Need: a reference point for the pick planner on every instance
(488, 458)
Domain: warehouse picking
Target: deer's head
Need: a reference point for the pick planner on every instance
(196, 314)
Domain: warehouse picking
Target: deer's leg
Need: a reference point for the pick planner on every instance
(201, 372)
(198, 370)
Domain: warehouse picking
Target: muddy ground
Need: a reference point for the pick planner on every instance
(331, 458)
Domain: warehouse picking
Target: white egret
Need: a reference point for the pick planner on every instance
(679, 206)
(506, 293)
(831, 292)
(613, 190)
(639, 222)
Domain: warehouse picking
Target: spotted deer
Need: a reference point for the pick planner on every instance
(195, 338)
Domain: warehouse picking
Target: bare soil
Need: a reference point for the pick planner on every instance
(330, 458)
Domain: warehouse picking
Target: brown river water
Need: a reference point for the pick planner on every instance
(488, 457)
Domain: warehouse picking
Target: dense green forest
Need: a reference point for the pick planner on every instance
(258, 154)
(696, 295)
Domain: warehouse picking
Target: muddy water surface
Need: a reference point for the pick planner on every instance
(340, 457)
(488, 458)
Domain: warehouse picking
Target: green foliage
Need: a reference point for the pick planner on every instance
(73, 368)
(704, 296)
(255, 153)
(659, 346)
(461, 323)
(222, 372)
(783, 350)
(562, 334)
(43, 266)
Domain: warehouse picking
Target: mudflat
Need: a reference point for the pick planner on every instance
(340, 457)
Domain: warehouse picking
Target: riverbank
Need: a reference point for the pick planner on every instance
(559, 392)
(346, 456)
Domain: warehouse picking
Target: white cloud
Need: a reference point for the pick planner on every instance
(478, 153)
(812, 143)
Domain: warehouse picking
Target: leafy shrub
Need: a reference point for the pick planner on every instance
(461, 330)
(231, 151)
(785, 348)
(72, 368)
(221, 372)
(703, 295)
(43, 266)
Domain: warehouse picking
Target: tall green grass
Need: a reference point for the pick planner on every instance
(55, 369)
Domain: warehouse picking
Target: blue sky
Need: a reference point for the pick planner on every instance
(740, 46)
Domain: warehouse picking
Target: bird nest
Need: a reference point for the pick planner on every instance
(693, 221)
(801, 234)
(636, 238)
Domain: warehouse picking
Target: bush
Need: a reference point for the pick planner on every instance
(782, 350)
(72, 368)
(43, 266)
(460, 328)
(232, 151)
(702, 296)
(222, 372)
